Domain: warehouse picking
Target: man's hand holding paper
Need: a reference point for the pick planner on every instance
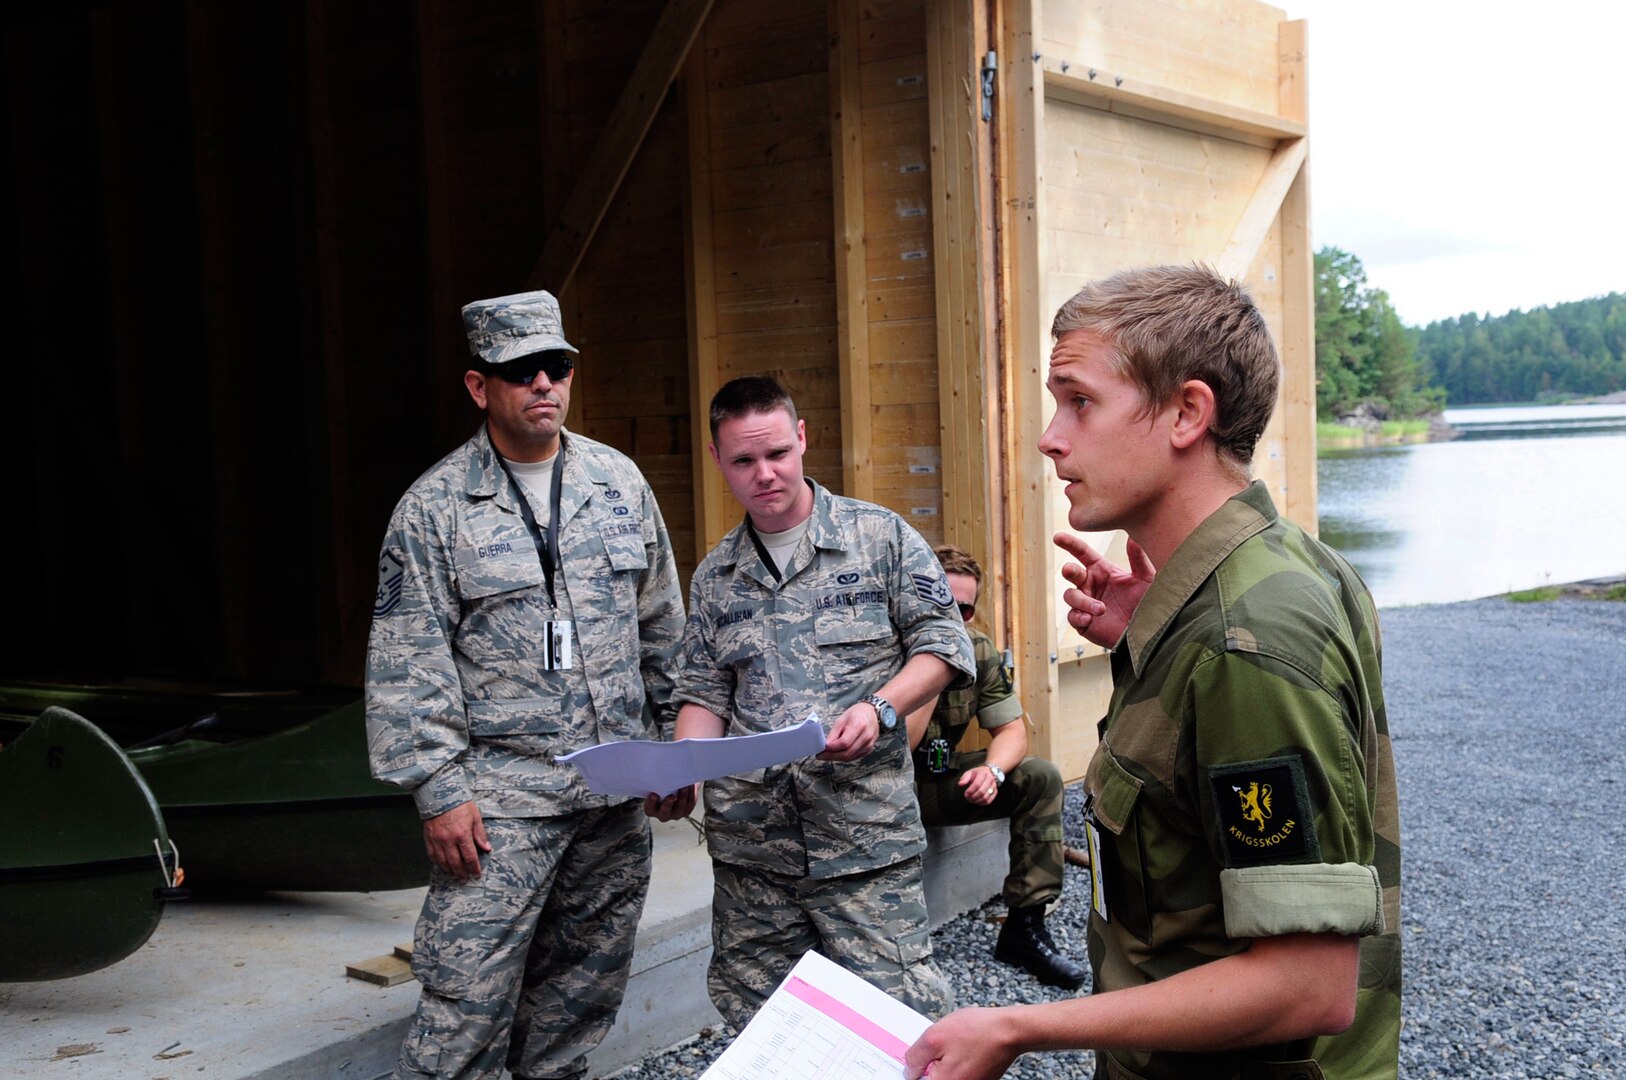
(665, 773)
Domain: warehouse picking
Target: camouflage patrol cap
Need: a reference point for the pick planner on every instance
(505, 327)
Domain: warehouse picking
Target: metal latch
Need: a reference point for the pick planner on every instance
(990, 67)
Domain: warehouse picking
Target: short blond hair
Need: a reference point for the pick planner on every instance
(1167, 325)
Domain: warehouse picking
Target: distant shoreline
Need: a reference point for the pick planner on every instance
(1425, 429)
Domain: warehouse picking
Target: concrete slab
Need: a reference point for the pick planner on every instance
(965, 867)
(255, 989)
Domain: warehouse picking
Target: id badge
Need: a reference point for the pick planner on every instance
(561, 654)
(1098, 887)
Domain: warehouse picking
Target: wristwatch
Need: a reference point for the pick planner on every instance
(998, 773)
(884, 712)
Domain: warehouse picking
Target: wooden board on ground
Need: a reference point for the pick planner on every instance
(387, 970)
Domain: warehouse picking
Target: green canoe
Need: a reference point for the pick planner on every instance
(294, 809)
(84, 858)
(261, 789)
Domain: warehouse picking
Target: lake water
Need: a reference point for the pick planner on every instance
(1528, 496)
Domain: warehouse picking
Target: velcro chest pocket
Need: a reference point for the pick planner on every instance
(624, 545)
(1116, 790)
(857, 647)
(489, 566)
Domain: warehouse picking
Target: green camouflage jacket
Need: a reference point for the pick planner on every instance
(861, 595)
(991, 701)
(1244, 785)
(459, 705)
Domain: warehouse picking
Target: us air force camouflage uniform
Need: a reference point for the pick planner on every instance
(462, 706)
(1031, 796)
(818, 854)
(1244, 785)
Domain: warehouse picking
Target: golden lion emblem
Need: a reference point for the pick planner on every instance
(1255, 803)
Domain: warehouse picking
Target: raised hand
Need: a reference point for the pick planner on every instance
(1103, 595)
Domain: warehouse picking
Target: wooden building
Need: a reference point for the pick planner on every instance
(241, 230)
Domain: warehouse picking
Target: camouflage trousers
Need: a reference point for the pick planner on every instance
(1031, 797)
(873, 923)
(525, 965)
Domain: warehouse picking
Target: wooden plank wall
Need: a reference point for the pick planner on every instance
(274, 214)
(628, 305)
(763, 186)
(900, 261)
(1113, 182)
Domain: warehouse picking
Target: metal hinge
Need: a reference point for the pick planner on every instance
(990, 67)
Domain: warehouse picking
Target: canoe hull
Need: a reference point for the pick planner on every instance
(80, 840)
(361, 844)
(294, 810)
(273, 795)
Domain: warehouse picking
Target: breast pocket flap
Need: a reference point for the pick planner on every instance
(846, 630)
(1118, 792)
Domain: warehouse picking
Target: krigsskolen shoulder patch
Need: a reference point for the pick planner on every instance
(1264, 812)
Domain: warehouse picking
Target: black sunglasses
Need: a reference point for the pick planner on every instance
(554, 363)
(967, 610)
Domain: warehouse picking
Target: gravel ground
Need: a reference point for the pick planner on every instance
(1509, 726)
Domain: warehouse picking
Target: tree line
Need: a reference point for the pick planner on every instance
(1366, 355)
(1547, 354)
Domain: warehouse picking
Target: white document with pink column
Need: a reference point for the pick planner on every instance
(822, 1023)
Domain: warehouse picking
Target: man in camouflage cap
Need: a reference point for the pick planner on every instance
(1001, 783)
(813, 604)
(1241, 806)
(528, 606)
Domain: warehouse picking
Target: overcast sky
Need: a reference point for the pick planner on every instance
(1470, 153)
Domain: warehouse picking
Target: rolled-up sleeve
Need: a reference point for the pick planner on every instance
(1289, 817)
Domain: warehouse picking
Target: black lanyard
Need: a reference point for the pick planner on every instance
(762, 550)
(547, 544)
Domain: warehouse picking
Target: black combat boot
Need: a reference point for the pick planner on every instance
(1025, 942)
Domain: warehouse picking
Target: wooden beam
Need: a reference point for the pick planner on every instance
(852, 274)
(1033, 593)
(1266, 202)
(987, 35)
(712, 502)
(634, 112)
(1298, 294)
(954, 102)
(1072, 81)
